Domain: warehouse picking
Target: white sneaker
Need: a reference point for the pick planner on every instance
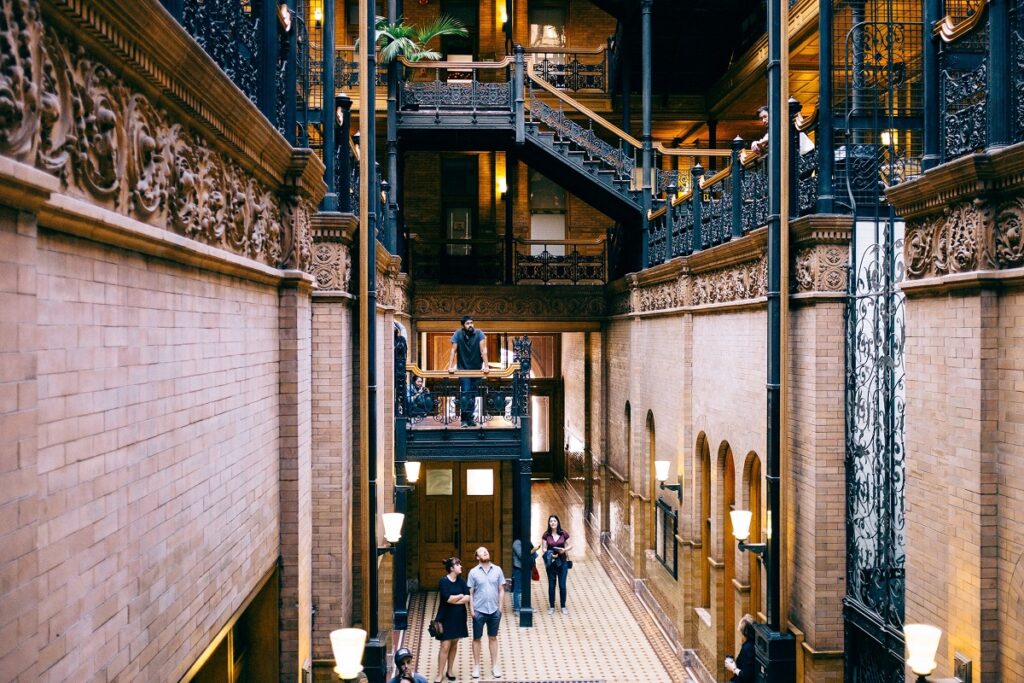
(565, 610)
(551, 610)
(496, 671)
(476, 671)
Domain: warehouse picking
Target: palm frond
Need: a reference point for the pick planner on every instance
(442, 26)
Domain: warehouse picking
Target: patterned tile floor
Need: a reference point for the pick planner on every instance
(607, 637)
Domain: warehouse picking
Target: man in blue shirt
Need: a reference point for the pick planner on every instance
(469, 352)
(486, 591)
(405, 672)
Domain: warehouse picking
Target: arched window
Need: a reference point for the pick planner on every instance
(704, 458)
(755, 565)
(727, 468)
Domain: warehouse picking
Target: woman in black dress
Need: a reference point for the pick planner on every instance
(451, 612)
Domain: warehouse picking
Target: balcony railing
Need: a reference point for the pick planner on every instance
(551, 262)
(578, 71)
(498, 399)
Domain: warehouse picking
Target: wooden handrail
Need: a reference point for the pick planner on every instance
(586, 111)
(615, 474)
(805, 123)
(442, 374)
(708, 182)
(749, 156)
(949, 29)
(588, 243)
(564, 50)
(691, 151)
(456, 66)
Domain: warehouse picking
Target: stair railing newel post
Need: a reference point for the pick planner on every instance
(794, 159)
(669, 217)
(522, 352)
(696, 201)
(736, 171)
(645, 24)
(519, 85)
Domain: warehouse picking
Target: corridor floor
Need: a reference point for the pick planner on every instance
(607, 636)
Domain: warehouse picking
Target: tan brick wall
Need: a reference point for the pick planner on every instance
(957, 565)
(158, 438)
(333, 513)
(21, 586)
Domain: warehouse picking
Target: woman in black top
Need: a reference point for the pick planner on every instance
(555, 545)
(742, 669)
(451, 612)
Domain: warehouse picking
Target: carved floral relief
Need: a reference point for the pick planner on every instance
(332, 266)
(72, 117)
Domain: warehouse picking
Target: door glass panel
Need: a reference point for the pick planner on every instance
(545, 226)
(459, 228)
(480, 482)
(540, 412)
(439, 482)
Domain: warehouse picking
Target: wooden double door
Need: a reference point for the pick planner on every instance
(460, 506)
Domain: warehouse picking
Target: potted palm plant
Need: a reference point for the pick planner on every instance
(403, 40)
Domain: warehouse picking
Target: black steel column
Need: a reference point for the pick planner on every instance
(522, 511)
(775, 650)
(999, 81)
(826, 130)
(509, 25)
(645, 29)
(696, 208)
(932, 10)
(712, 143)
(268, 69)
(794, 157)
(669, 217)
(391, 229)
(400, 596)
(376, 646)
(511, 190)
(291, 75)
(344, 157)
(327, 116)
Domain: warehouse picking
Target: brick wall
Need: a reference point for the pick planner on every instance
(158, 476)
(333, 513)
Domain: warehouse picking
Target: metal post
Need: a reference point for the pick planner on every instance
(932, 9)
(391, 230)
(525, 474)
(713, 143)
(645, 29)
(793, 158)
(291, 77)
(343, 103)
(374, 654)
(268, 70)
(669, 217)
(737, 187)
(825, 133)
(775, 650)
(999, 80)
(330, 200)
(696, 199)
(400, 591)
(511, 182)
(519, 84)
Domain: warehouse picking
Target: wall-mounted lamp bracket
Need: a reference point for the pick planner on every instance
(756, 548)
(678, 488)
(388, 549)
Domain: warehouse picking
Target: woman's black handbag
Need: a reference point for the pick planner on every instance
(436, 629)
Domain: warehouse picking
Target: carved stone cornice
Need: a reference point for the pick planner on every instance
(332, 251)
(964, 216)
(87, 99)
(821, 253)
(521, 302)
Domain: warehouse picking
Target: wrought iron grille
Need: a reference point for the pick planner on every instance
(880, 56)
(879, 92)
(573, 263)
(229, 31)
(657, 240)
(666, 547)
(716, 223)
(1017, 66)
(807, 182)
(682, 230)
(574, 71)
(755, 195)
(963, 92)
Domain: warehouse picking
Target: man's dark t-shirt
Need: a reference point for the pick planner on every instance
(468, 349)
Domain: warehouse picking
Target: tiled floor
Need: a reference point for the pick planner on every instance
(606, 637)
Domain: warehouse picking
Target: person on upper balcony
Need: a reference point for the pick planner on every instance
(469, 352)
(761, 146)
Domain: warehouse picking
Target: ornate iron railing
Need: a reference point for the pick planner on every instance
(346, 69)
(571, 70)
(963, 88)
(560, 262)
(717, 208)
(755, 193)
(497, 400)
(457, 86)
(229, 31)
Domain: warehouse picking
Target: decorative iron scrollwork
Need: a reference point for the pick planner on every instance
(755, 195)
(229, 31)
(584, 139)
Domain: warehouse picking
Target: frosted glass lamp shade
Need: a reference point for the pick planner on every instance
(922, 643)
(393, 526)
(412, 471)
(347, 644)
(661, 468)
(741, 524)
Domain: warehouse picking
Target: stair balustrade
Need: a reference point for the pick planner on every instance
(450, 87)
(497, 400)
(555, 262)
(578, 71)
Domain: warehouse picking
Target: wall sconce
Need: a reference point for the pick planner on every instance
(502, 187)
(348, 644)
(661, 468)
(284, 17)
(741, 530)
(318, 17)
(412, 471)
(922, 643)
(392, 531)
